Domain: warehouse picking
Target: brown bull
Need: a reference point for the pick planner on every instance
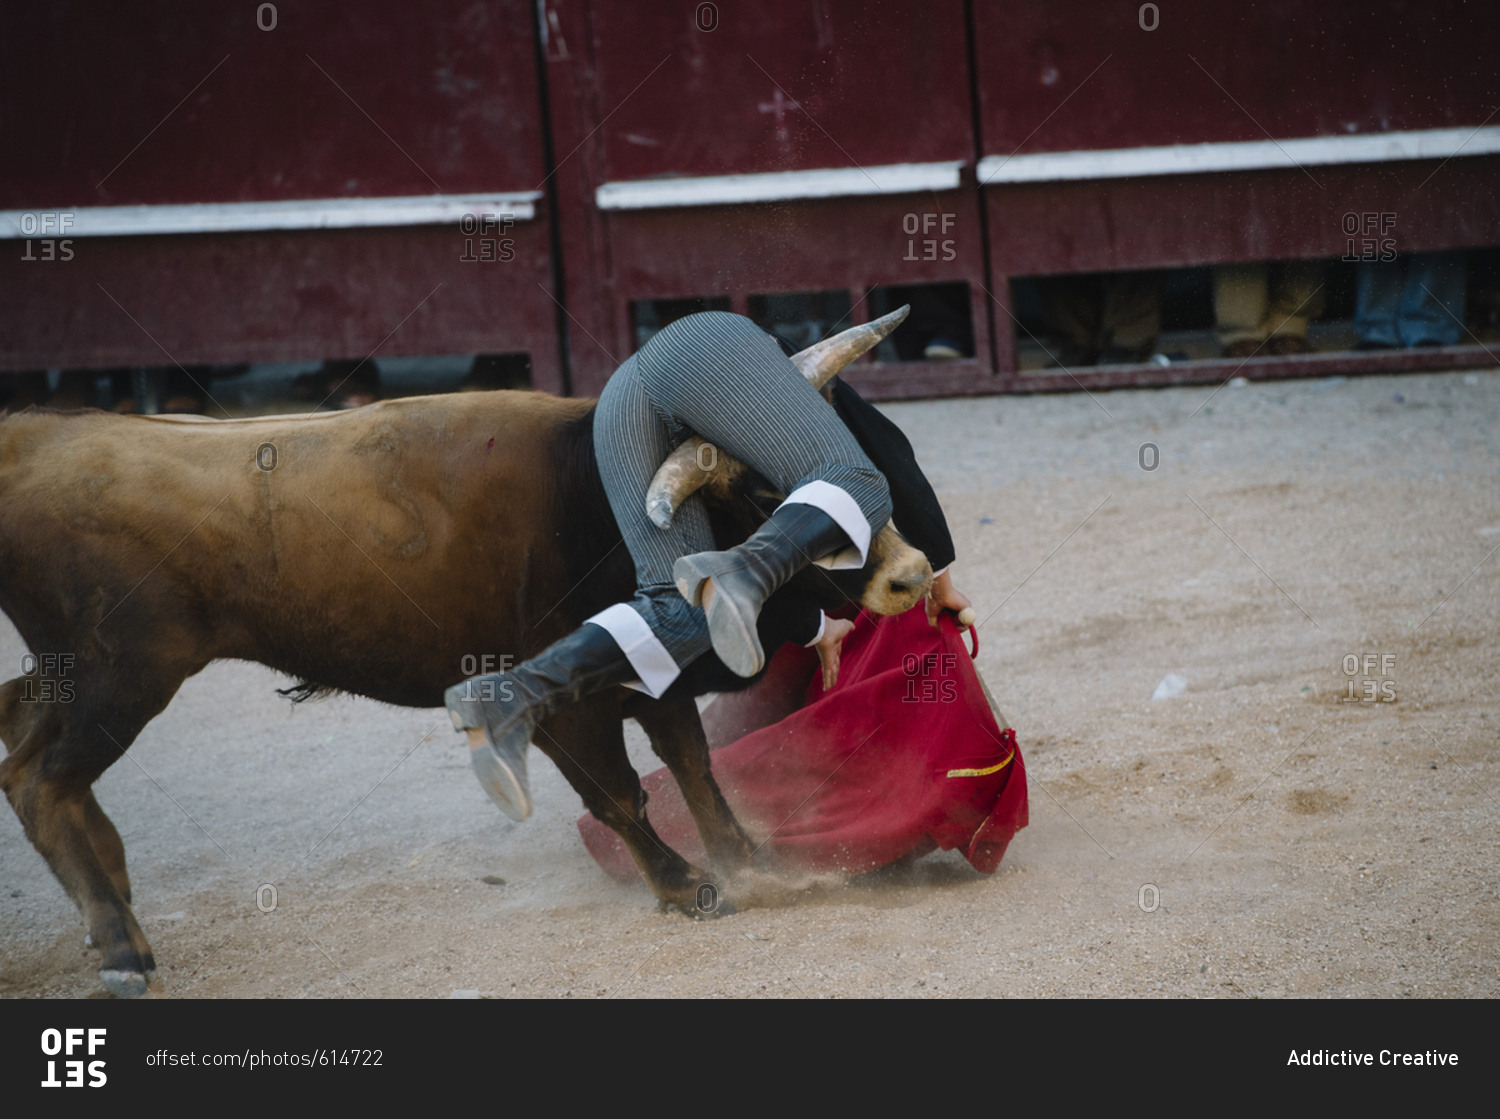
(373, 552)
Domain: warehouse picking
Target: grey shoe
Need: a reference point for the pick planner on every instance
(744, 577)
(499, 711)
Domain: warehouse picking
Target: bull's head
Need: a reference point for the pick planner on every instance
(895, 576)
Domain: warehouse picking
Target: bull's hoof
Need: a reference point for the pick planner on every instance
(705, 902)
(124, 984)
(724, 908)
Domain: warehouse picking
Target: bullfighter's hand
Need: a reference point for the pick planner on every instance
(945, 596)
(829, 646)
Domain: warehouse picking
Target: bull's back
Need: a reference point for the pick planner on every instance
(372, 550)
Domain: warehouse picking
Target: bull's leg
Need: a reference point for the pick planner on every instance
(56, 752)
(16, 718)
(56, 815)
(107, 844)
(676, 734)
(587, 742)
(54, 818)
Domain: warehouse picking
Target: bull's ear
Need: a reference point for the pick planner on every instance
(820, 363)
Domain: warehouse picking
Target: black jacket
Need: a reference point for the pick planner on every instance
(914, 506)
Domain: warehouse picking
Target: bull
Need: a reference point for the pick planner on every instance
(372, 552)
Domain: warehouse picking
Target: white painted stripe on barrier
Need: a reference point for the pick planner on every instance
(245, 217)
(777, 186)
(1250, 155)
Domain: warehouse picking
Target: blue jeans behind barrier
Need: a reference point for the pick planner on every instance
(1412, 300)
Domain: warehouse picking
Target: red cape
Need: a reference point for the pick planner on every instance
(903, 756)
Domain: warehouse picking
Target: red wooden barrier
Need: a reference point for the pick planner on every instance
(652, 108)
(315, 167)
(232, 105)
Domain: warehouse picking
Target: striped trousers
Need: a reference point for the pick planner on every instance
(720, 377)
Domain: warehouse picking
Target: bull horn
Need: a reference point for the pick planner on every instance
(821, 362)
(679, 477)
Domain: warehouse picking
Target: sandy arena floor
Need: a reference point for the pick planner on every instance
(1259, 835)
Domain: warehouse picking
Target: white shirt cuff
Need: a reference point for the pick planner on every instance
(642, 648)
(822, 628)
(846, 513)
